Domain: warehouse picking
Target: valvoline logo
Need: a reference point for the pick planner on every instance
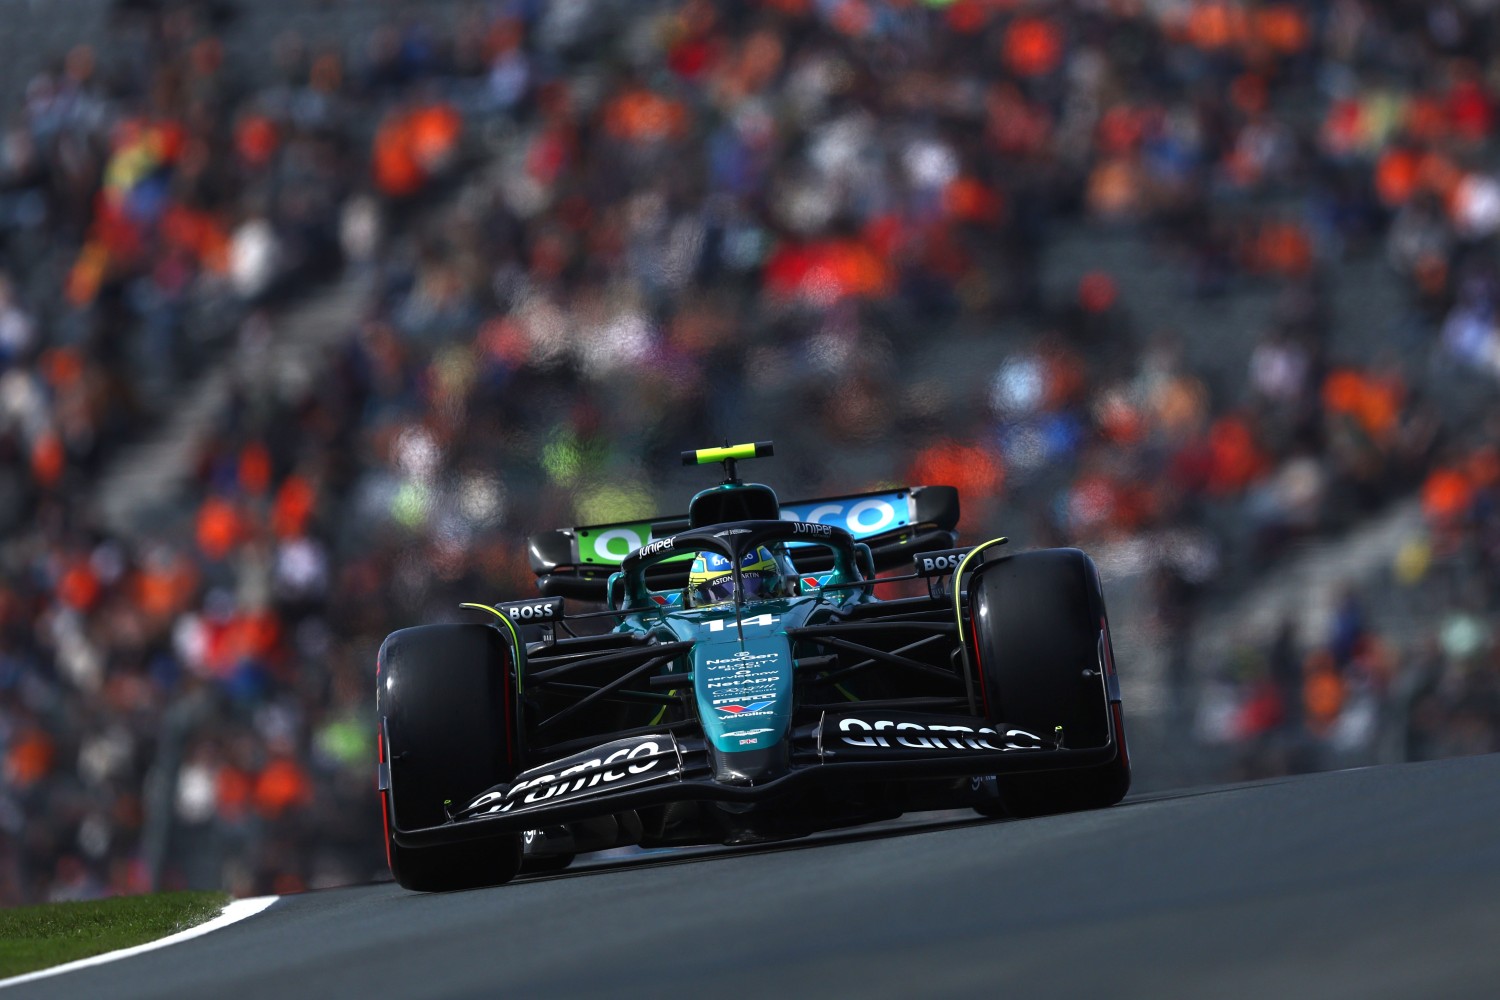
(754, 706)
(737, 687)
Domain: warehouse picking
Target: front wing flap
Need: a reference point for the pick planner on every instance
(656, 769)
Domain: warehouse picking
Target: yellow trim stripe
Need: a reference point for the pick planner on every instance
(515, 637)
(663, 713)
(958, 611)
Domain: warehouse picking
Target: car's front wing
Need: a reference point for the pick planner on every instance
(649, 770)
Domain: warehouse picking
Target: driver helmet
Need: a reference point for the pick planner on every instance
(711, 580)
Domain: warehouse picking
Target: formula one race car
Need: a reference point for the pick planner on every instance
(752, 686)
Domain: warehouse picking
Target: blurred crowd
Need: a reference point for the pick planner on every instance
(586, 235)
(1405, 665)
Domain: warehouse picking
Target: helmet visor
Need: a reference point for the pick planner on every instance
(715, 591)
(756, 585)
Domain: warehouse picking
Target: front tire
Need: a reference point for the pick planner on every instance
(1040, 626)
(442, 694)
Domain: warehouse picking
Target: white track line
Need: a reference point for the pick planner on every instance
(233, 913)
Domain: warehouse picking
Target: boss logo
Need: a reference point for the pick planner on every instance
(532, 611)
(934, 563)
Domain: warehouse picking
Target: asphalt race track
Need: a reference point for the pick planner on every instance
(1383, 882)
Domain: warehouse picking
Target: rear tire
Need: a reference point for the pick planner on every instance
(442, 692)
(1038, 619)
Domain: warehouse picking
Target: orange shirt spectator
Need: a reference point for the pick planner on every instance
(410, 146)
(255, 469)
(971, 200)
(282, 787)
(1396, 175)
(79, 586)
(1322, 691)
(1237, 459)
(165, 585)
(1446, 496)
(256, 139)
(220, 527)
(293, 507)
(48, 460)
(234, 789)
(1283, 28)
(1373, 403)
(1216, 24)
(641, 116)
(827, 271)
(1032, 46)
(29, 758)
(974, 469)
(435, 130)
(1283, 248)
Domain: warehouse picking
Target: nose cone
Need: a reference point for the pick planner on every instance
(752, 767)
(745, 702)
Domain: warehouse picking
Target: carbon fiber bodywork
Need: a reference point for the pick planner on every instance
(818, 757)
(809, 703)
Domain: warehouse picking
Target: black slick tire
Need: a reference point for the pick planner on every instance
(442, 694)
(1038, 618)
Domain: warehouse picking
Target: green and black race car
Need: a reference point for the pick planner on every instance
(750, 685)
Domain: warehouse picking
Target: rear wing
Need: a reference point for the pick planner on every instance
(577, 562)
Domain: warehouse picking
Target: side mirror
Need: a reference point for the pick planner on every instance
(614, 591)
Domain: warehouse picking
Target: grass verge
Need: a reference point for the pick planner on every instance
(36, 937)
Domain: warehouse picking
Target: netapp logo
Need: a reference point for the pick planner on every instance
(944, 561)
(740, 679)
(931, 736)
(628, 764)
